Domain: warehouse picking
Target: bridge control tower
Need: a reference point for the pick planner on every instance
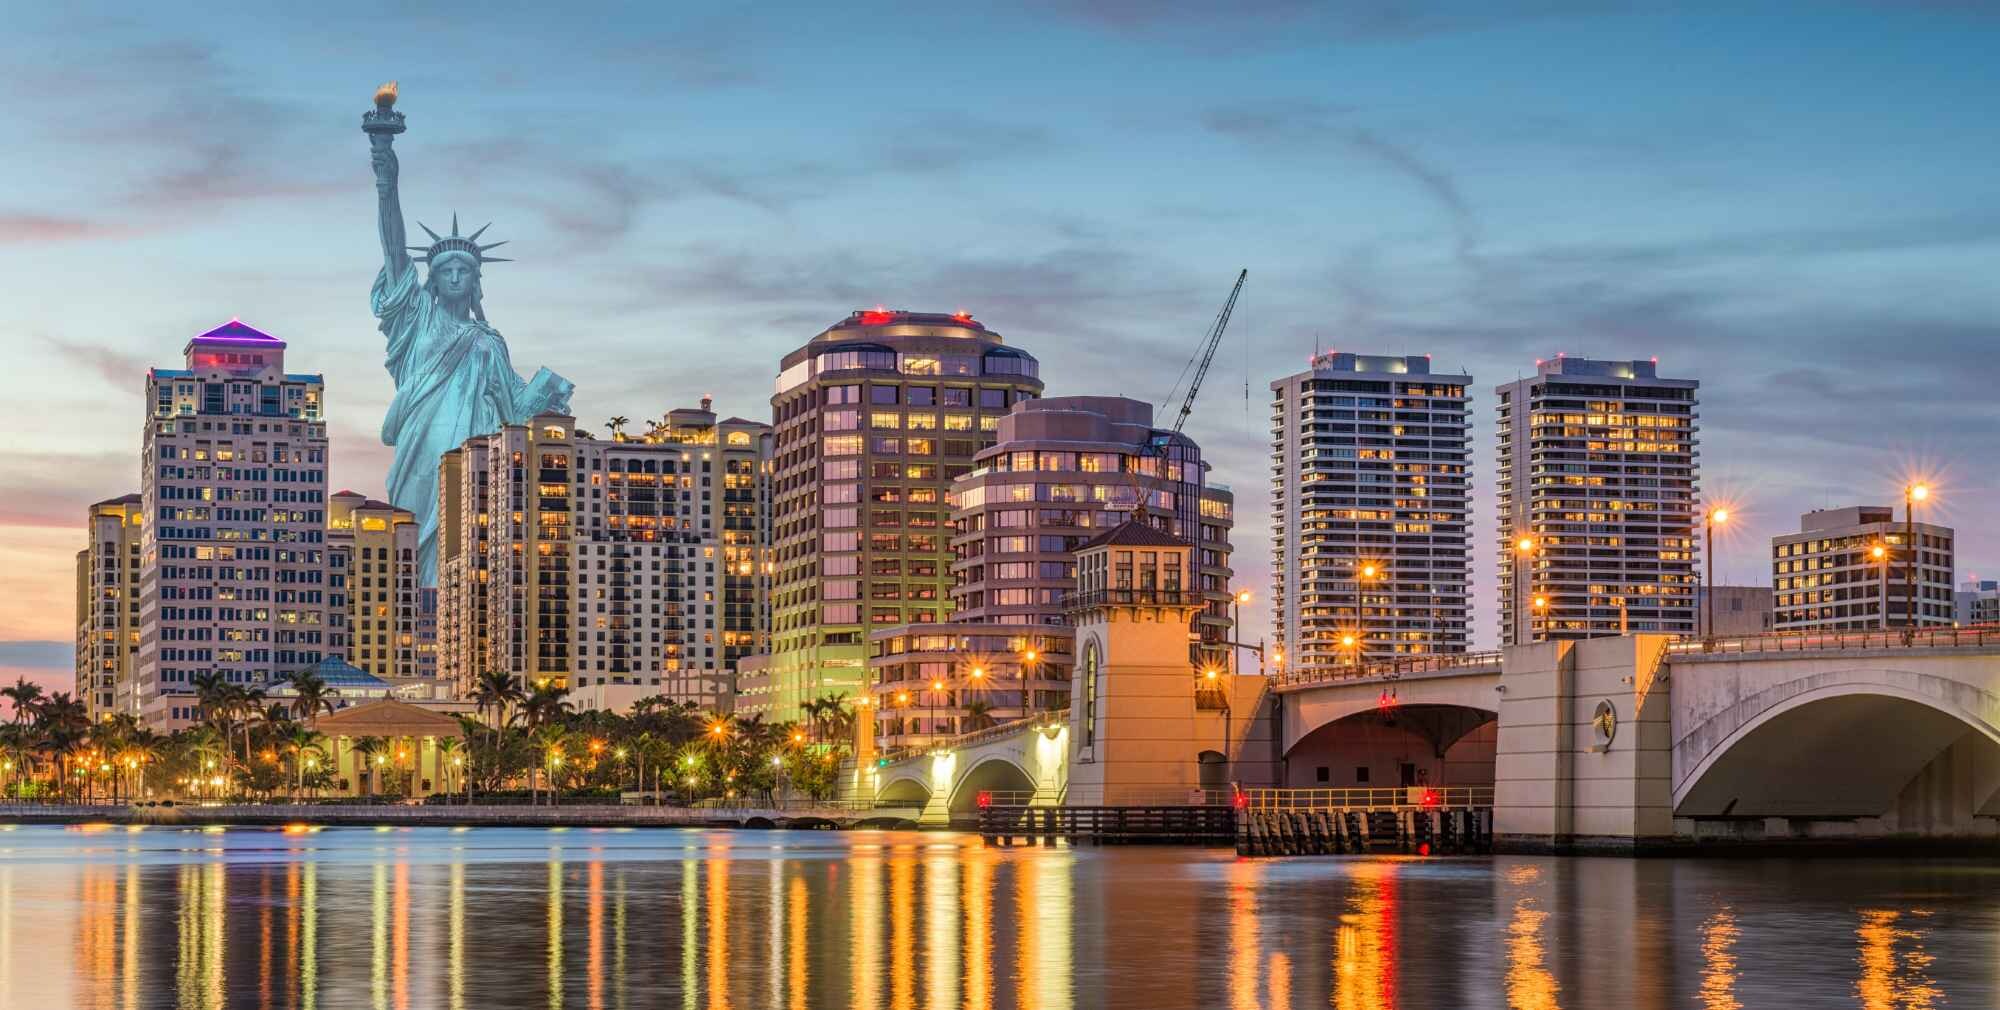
(1132, 689)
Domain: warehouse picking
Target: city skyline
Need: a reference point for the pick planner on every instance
(1435, 245)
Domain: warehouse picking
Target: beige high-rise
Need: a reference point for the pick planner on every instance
(620, 566)
(107, 607)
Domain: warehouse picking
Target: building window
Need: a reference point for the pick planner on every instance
(1089, 714)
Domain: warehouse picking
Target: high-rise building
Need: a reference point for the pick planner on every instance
(1064, 470)
(621, 567)
(1369, 516)
(1847, 569)
(383, 609)
(1597, 484)
(1977, 601)
(1736, 611)
(234, 567)
(107, 606)
(875, 417)
(734, 508)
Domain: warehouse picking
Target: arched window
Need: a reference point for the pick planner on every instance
(1090, 693)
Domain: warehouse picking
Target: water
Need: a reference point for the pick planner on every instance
(423, 918)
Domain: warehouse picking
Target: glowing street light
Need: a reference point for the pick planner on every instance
(1912, 494)
(1712, 518)
(1524, 551)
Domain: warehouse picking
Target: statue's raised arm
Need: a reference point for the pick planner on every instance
(382, 124)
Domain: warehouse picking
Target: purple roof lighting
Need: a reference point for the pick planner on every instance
(236, 329)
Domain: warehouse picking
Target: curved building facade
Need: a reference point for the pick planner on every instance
(1065, 470)
(873, 419)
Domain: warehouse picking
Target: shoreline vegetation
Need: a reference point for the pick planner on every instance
(298, 818)
(250, 744)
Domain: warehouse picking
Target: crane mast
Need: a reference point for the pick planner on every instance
(1208, 352)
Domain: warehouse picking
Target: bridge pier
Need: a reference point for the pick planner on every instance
(1585, 753)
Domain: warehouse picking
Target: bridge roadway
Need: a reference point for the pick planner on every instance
(1641, 739)
(1608, 743)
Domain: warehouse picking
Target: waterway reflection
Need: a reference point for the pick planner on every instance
(609, 920)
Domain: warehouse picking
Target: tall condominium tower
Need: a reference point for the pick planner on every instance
(1370, 537)
(234, 567)
(621, 567)
(107, 607)
(1597, 484)
(383, 604)
(1829, 577)
(1064, 470)
(875, 417)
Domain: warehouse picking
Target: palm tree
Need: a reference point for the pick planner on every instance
(140, 748)
(447, 749)
(206, 749)
(617, 426)
(548, 739)
(248, 705)
(26, 695)
(16, 744)
(366, 749)
(63, 724)
(300, 741)
(212, 695)
(311, 695)
(497, 691)
(547, 704)
(979, 714)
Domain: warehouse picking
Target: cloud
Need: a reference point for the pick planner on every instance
(38, 655)
(191, 134)
(52, 489)
(115, 367)
(1227, 28)
(594, 201)
(26, 228)
(1292, 128)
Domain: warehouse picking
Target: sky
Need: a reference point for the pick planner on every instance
(1794, 203)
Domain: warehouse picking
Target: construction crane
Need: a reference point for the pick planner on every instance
(1207, 351)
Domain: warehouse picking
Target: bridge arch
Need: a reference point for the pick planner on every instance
(1401, 744)
(1844, 743)
(904, 786)
(994, 772)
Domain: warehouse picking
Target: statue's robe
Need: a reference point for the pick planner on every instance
(453, 381)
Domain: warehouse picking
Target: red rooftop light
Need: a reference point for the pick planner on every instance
(877, 316)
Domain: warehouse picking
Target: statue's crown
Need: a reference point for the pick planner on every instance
(455, 244)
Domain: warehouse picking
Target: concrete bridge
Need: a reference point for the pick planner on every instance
(1022, 763)
(1644, 741)
(1612, 743)
(1619, 743)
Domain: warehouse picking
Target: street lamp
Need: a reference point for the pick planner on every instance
(1708, 523)
(1236, 625)
(1912, 494)
(1364, 573)
(1351, 645)
(1524, 550)
(937, 694)
(1029, 658)
(1880, 555)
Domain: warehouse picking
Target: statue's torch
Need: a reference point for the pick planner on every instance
(383, 122)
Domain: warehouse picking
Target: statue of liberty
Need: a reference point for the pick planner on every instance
(453, 377)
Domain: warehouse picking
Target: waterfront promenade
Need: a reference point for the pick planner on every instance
(595, 815)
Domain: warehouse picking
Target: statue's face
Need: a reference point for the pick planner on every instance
(454, 279)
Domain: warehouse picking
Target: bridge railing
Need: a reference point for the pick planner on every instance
(1367, 798)
(1386, 668)
(1986, 636)
(1054, 717)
